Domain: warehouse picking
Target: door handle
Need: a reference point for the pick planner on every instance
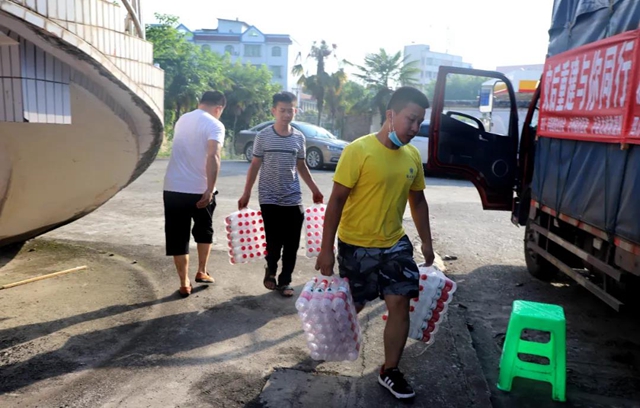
(482, 138)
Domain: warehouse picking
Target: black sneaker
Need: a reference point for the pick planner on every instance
(393, 380)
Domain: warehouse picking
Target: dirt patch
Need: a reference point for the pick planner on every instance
(64, 325)
(230, 389)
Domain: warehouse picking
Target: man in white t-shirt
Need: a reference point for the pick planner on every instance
(189, 186)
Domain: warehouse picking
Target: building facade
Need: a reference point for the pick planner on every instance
(428, 62)
(81, 110)
(249, 45)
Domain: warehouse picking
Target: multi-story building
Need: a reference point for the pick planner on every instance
(247, 44)
(427, 62)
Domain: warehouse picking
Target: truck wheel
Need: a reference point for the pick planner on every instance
(537, 266)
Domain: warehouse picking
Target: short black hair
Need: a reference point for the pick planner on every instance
(284, 97)
(213, 98)
(406, 95)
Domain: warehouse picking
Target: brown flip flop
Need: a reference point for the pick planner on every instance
(185, 291)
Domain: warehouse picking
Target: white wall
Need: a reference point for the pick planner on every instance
(58, 171)
(265, 58)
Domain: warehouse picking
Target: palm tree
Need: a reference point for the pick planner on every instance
(382, 72)
(316, 84)
(334, 95)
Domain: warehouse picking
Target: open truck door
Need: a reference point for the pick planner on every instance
(474, 132)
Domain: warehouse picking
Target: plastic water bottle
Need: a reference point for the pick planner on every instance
(314, 224)
(332, 333)
(246, 236)
(428, 310)
(305, 295)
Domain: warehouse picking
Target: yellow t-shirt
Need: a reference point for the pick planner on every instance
(380, 179)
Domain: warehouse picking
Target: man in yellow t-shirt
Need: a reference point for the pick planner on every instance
(375, 177)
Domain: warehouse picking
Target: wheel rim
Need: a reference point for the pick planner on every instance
(248, 152)
(313, 159)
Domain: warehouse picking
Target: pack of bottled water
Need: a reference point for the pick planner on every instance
(427, 311)
(329, 319)
(313, 224)
(246, 236)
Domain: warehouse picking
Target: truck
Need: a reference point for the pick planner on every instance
(570, 173)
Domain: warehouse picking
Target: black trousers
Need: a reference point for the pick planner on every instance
(282, 227)
(179, 210)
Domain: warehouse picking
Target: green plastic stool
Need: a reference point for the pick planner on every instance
(542, 317)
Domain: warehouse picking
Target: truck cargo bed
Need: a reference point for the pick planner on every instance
(596, 183)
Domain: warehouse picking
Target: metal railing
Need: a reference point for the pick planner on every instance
(133, 8)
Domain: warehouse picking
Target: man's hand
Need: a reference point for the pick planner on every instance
(206, 199)
(325, 262)
(243, 202)
(427, 252)
(318, 198)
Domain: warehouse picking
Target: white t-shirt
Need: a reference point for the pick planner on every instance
(187, 169)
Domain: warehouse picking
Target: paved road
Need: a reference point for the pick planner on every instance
(142, 346)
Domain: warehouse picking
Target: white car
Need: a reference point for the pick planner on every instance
(421, 141)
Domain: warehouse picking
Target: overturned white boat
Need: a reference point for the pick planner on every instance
(81, 108)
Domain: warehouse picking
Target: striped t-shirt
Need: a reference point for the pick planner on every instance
(279, 183)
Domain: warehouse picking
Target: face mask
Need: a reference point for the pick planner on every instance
(393, 136)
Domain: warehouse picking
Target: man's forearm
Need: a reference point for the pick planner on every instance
(213, 168)
(420, 216)
(331, 221)
(307, 177)
(252, 175)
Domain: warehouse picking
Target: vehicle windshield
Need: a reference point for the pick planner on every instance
(262, 125)
(314, 131)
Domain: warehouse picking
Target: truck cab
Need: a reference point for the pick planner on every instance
(476, 139)
(567, 227)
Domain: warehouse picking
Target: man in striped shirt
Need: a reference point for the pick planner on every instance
(279, 156)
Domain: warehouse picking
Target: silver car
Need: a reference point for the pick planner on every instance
(323, 148)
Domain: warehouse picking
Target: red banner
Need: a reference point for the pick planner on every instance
(592, 93)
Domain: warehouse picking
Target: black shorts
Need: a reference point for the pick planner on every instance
(374, 272)
(179, 210)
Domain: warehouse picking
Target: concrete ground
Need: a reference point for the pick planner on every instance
(117, 334)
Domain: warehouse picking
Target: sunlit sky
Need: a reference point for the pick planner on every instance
(486, 33)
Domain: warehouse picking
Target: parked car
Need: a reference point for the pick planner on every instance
(323, 148)
(421, 141)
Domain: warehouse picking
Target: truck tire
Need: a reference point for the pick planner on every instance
(537, 266)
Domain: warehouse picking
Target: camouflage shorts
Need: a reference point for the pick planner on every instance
(374, 272)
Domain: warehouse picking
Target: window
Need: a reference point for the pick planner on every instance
(206, 47)
(252, 50)
(229, 49)
(313, 131)
(261, 126)
(276, 70)
(276, 52)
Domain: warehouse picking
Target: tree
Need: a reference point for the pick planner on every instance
(333, 95)
(190, 71)
(316, 84)
(249, 96)
(382, 72)
(357, 99)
